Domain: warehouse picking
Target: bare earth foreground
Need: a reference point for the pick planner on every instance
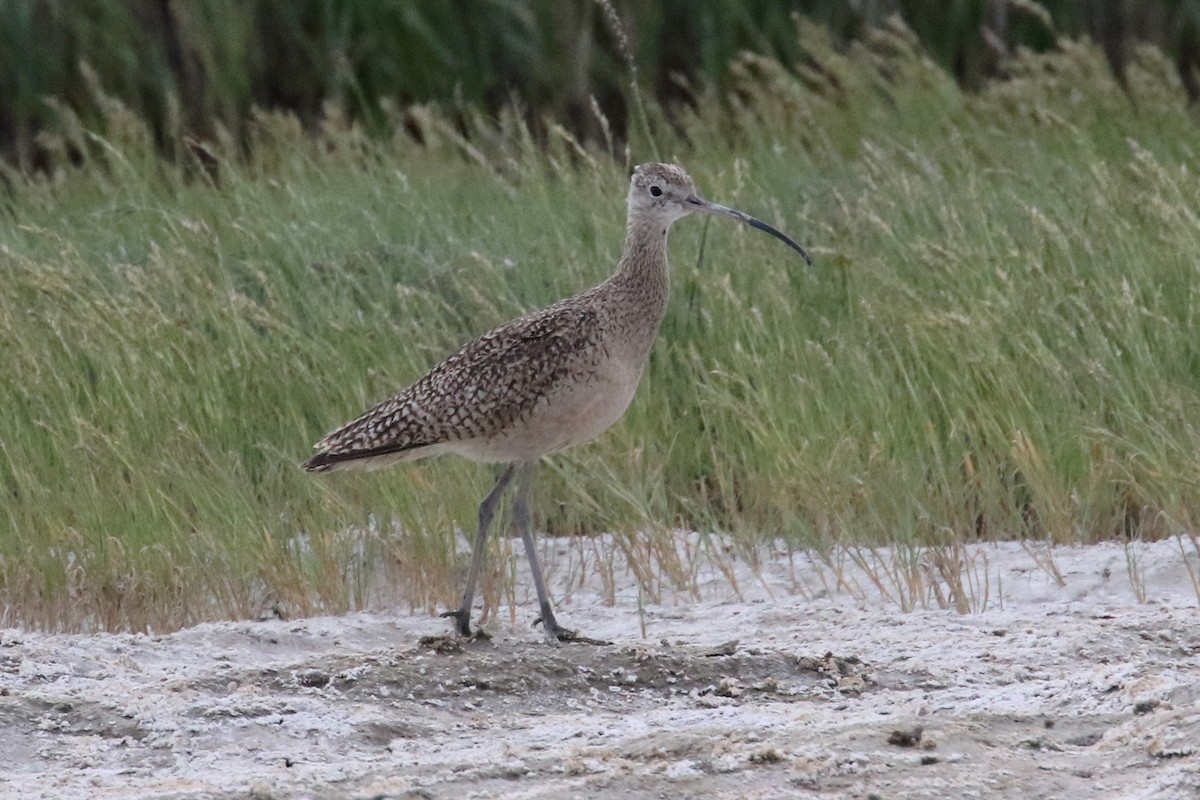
(791, 687)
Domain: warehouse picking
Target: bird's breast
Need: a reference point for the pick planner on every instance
(575, 411)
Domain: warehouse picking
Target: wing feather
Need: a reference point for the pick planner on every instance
(485, 386)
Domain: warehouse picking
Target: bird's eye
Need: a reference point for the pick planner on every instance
(655, 191)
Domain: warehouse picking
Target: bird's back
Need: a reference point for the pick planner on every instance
(488, 392)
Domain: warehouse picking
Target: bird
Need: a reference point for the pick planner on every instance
(546, 381)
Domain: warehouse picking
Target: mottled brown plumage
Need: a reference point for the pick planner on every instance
(545, 381)
(487, 388)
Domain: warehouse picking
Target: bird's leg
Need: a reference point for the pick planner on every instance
(524, 522)
(487, 509)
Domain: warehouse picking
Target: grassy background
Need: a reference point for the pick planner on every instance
(998, 339)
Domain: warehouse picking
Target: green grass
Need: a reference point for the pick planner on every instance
(998, 338)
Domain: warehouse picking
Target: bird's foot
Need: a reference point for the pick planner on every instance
(462, 624)
(555, 633)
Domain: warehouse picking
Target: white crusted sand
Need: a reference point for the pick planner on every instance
(1074, 691)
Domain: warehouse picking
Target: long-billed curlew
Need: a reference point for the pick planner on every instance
(543, 382)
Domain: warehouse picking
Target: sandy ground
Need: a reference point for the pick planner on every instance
(790, 691)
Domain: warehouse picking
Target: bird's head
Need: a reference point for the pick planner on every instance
(663, 193)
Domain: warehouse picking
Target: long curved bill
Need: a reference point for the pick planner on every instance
(700, 204)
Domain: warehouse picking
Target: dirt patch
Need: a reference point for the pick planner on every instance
(506, 673)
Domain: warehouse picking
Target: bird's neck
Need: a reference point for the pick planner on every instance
(640, 286)
(642, 274)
